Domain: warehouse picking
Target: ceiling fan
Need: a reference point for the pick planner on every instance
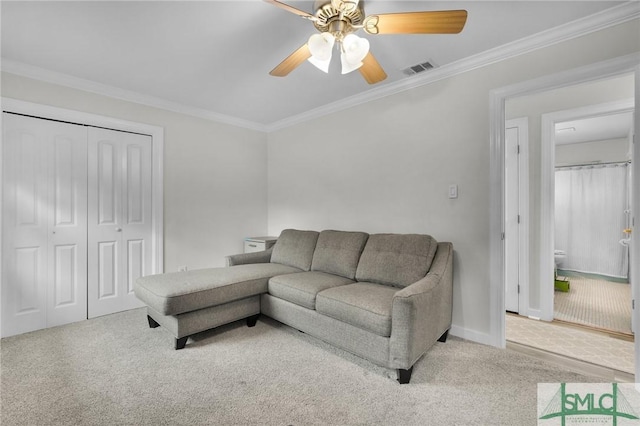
(338, 20)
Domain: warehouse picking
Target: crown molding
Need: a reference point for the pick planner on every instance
(42, 74)
(596, 22)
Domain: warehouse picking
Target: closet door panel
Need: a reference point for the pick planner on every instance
(26, 174)
(106, 227)
(24, 238)
(107, 188)
(26, 279)
(134, 184)
(137, 210)
(65, 276)
(67, 300)
(119, 218)
(135, 262)
(104, 215)
(44, 231)
(64, 191)
(107, 269)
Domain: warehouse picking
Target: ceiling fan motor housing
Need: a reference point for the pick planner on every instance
(332, 20)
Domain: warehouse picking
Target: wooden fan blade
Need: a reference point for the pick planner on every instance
(434, 22)
(292, 62)
(371, 70)
(291, 9)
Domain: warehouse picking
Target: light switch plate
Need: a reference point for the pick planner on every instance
(453, 191)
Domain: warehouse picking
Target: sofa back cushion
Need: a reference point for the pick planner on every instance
(396, 259)
(338, 252)
(295, 248)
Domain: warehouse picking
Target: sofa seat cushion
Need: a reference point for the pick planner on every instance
(302, 288)
(178, 292)
(295, 248)
(396, 259)
(338, 252)
(364, 305)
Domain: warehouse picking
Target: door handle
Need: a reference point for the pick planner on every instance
(118, 229)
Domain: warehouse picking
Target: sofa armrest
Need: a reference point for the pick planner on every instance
(246, 258)
(421, 312)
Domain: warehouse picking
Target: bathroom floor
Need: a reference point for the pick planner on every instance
(595, 302)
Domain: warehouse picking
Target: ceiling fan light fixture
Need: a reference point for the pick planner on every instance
(336, 20)
(354, 50)
(321, 47)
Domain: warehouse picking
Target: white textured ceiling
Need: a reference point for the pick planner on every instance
(216, 55)
(600, 128)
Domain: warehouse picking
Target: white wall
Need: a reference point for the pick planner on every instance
(386, 165)
(215, 175)
(608, 151)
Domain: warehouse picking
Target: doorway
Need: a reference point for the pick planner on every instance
(596, 99)
(592, 216)
(553, 122)
(541, 254)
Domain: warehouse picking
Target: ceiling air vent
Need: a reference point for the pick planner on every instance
(416, 69)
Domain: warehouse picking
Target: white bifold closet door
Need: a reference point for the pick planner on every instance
(44, 241)
(119, 218)
(76, 221)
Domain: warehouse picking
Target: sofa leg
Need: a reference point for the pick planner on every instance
(181, 342)
(252, 320)
(152, 323)
(443, 338)
(404, 376)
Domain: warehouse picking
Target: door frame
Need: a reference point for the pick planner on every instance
(497, 98)
(547, 201)
(522, 123)
(157, 169)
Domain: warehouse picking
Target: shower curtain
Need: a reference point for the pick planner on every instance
(590, 204)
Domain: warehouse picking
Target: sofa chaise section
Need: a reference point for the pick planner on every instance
(189, 302)
(192, 301)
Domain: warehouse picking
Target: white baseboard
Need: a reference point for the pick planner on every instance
(534, 313)
(473, 335)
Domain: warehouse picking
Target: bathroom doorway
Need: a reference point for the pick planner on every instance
(540, 108)
(592, 217)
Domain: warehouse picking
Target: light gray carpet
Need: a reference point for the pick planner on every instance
(114, 370)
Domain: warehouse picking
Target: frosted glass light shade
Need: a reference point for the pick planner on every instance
(354, 50)
(321, 46)
(321, 65)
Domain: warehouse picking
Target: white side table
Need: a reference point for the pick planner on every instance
(253, 244)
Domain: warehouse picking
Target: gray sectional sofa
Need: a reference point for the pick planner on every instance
(384, 297)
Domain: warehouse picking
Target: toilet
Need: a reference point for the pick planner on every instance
(559, 256)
